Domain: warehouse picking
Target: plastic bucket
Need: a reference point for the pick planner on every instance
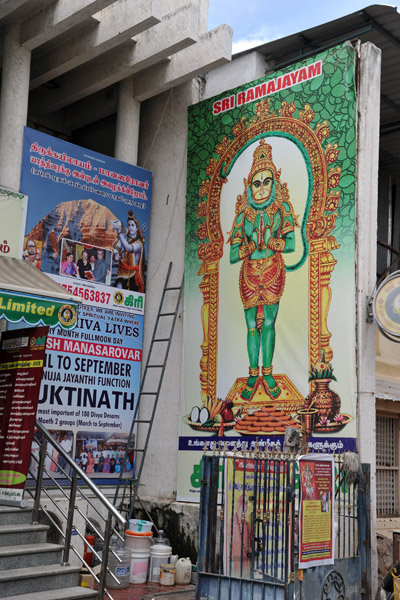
(140, 542)
(139, 526)
(159, 554)
(167, 574)
(139, 564)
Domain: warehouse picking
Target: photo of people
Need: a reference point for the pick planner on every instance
(68, 267)
(55, 464)
(32, 252)
(85, 262)
(66, 443)
(114, 255)
(325, 502)
(102, 454)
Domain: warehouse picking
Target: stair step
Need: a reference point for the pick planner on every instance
(32, 579)
(21, 533)
(10, 514)
(71, 593)
(12, 557)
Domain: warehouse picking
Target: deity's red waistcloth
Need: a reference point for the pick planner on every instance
(262, 281)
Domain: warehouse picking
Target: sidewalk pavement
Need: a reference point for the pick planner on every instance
(172, 595)
(149, 590)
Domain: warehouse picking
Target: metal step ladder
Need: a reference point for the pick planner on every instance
(162, 336)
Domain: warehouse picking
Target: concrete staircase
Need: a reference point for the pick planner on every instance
(29, 566)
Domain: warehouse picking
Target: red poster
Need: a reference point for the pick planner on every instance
(316, 510)
(21, 365)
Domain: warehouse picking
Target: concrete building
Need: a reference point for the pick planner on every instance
(116, 76)
(378, 242)
(378, 30)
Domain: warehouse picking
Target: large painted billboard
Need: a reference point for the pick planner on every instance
(269, 330)
(87, 224)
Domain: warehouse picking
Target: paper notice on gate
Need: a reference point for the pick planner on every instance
(316, 523)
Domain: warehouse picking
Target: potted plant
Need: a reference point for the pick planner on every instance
(322, 398)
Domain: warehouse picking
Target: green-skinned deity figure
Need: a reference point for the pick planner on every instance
(262, 231)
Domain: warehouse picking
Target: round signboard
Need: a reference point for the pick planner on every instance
(386, 306)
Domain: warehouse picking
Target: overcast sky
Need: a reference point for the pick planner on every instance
(255, 22)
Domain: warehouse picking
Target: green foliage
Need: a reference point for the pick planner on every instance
(321, 371)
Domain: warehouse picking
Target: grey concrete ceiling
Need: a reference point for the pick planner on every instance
(82, 48)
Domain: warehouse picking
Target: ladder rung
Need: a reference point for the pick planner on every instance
(171, 311)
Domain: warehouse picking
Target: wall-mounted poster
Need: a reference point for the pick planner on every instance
(269, 330)
(256, 504)
(88, 220)
(21, 366)
(316, 515)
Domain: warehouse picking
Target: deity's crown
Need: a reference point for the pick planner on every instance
(131, 217)
(262, 159)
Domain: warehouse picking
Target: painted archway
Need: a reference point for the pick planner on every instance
(317, 225)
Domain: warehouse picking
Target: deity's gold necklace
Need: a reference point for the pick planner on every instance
(261, 230)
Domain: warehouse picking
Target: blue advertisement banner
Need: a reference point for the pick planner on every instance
(87, 228)
(91, 375)
(88, 221)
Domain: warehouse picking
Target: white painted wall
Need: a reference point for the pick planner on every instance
(366, 211)
(162, 149)
(242, 70)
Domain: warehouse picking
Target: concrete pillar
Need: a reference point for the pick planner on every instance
(163, 151)
(366, 207)
(128, 122)
(13, 105)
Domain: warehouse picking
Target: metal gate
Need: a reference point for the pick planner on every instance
(350, 576)
(251, 552)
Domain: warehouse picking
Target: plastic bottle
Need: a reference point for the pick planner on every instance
(161, 539)
(121, 570)
(183, 573)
